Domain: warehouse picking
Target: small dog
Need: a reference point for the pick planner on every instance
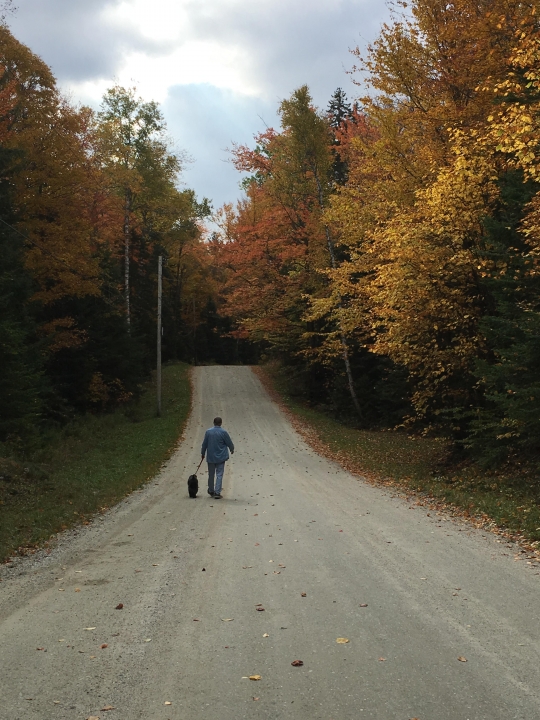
(193, 486)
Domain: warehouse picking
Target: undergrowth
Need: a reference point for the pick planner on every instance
(88, 465)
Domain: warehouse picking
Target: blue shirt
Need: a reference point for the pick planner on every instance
(218, 443)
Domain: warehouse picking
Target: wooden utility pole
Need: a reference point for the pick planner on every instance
(158, 367)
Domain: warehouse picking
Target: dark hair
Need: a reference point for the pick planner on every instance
(217, 421)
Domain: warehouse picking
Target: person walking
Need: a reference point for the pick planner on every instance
(216, 445)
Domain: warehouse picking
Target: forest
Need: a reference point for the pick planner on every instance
(385, 253)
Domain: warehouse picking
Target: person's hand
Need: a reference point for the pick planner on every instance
(232, 452)
(202, 457)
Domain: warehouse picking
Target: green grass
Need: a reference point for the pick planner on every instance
(89, 465)
(508, 498)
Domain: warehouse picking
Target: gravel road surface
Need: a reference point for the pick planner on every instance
(325, 554)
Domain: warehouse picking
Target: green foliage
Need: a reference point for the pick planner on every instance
(507, 419)
(20, 356)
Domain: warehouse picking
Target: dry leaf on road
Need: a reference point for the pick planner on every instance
(260, 609)
(303, 594)
(342, 641)
(255, 677)
(107, 708)
(103, 646)
(363, 605)
(266, 635)
(297, 663)
(167, 702)
(227, 619)
(119, 606)
(462, 659)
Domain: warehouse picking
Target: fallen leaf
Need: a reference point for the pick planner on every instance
(167, 702)
(40, 648)
(277, 572)
(381, 659)
(462, 659)
(138, 570)
(203, 570)
(107, 708)
(56, 702)
(281, 566)
(303, 594)
(93, 717)
(90, 628)
(266, 635)
(103, 646)
(92, 657)
(256, 698)
(255, 677)
(155, 564)
(363, 605)
(119, 606)
(297, 663)
(61, 590)
(260, 609)
(257, 544)
(227, 619)
(342, 641)
(340, 530)
(77, 589)
(148, 640)
(196, 620)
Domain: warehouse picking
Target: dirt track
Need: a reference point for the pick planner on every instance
(191, 573)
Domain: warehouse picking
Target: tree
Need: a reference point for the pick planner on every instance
(135, 157)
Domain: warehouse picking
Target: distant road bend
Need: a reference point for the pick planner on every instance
(441, 622)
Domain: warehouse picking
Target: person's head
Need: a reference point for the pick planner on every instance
(218, 421)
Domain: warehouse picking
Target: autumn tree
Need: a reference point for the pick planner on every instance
(135, 156)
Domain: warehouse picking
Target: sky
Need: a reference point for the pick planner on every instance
(218, 68)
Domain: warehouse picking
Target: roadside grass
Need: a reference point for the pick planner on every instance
(90, 464)
(507, 499)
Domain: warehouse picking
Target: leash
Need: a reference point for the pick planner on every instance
(197, 470)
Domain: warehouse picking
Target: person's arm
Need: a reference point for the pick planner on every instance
(229, 442)
(204, 445)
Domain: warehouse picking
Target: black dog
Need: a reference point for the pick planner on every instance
(193, 486)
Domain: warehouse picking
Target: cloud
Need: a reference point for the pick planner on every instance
(215, 65)
(205, 120)
(76, 39)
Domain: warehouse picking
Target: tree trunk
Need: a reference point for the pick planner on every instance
(342, 338)
(127, 243)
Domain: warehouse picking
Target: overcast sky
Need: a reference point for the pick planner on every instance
(219, 68)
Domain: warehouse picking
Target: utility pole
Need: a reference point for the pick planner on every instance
(158, 367)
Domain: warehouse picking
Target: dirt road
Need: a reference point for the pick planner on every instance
(326, 555)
